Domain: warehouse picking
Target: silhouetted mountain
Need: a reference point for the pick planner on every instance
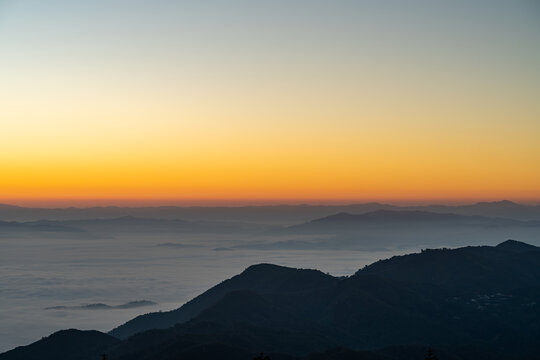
(469, 303)
(516, 246)
(66, 344)
(391, 353)
(261, 278)
(374, 307)
(469, 269)
(248, 320)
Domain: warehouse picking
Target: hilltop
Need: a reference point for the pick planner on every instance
(475, 302)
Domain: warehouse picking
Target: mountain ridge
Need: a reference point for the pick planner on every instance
(473, 302)
(263, 213)
(263, 281)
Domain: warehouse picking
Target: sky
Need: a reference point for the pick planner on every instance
(225, 102)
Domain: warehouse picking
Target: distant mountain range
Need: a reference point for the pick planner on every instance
(369, 230)
(414, 216)
(278, 214)
(346, 221)
(129, 224)
(14, 227)
(382, 229)
(475, 302)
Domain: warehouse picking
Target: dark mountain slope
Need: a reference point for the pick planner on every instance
(241, 319)
(66, 344)
(475, 269)
(413, 292)
(516, 246)
(472, 302)
(263, 278)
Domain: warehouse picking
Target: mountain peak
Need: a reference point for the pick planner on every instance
(277, 271)
(80, 344)
(264, 267)
(516, 246)
(391, 215)
(498, 203)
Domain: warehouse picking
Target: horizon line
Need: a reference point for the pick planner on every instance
(141, 203)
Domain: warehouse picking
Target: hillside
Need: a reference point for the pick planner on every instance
(262, 278)
(468, 303)
(76, 344)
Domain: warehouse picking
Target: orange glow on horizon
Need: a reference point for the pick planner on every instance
(365, 110)
(234, 202)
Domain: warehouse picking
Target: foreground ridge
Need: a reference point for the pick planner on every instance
(475, 302)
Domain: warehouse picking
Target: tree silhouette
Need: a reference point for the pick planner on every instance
(262, 357)
(430, 355)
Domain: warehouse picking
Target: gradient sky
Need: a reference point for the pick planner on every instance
(215, 101)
